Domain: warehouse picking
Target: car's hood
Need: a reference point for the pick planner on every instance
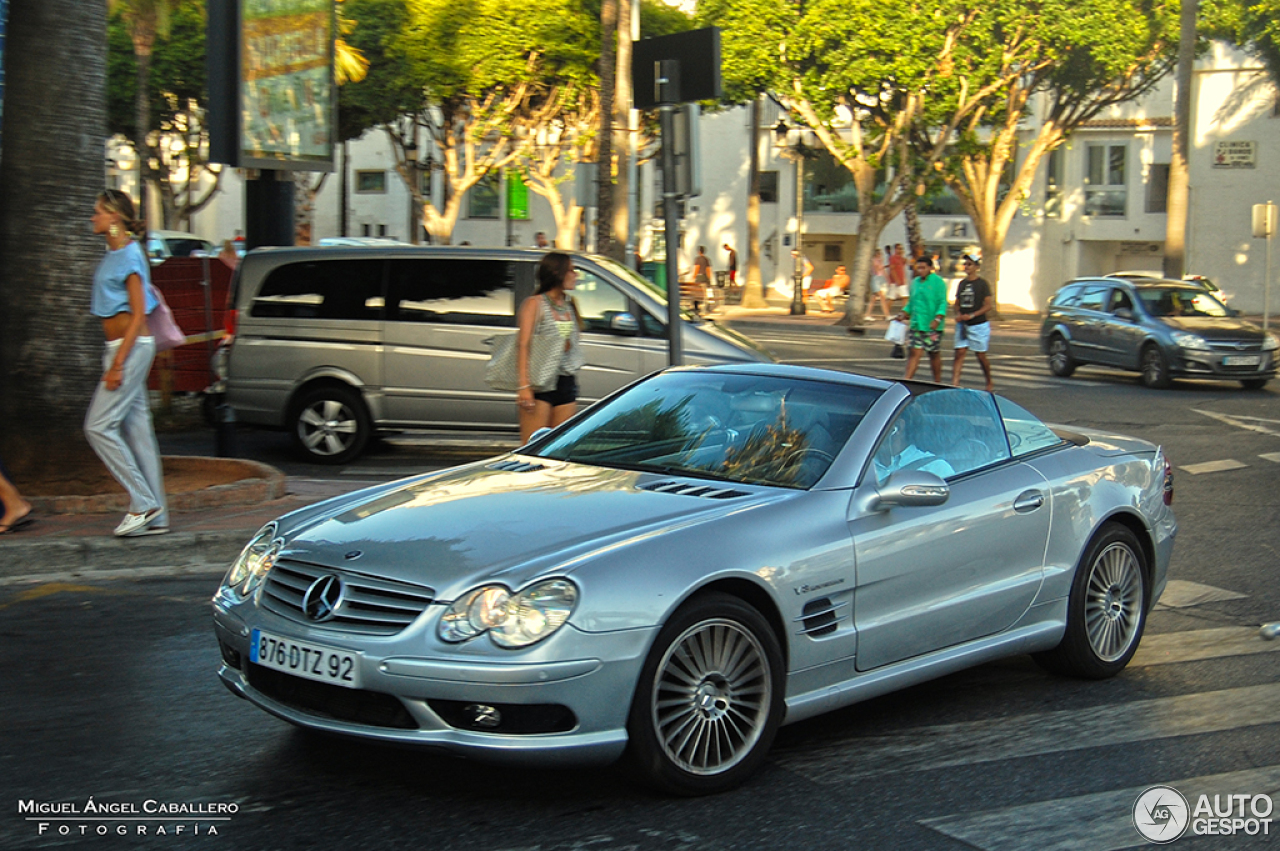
(1225, 329)
(478, 523)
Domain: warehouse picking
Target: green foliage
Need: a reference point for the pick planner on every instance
(1252, 24)
(388, 91)
(752, 33)
(177, 70)
(657, 19)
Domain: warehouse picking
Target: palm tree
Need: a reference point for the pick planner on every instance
(145, 19)
(51, 169)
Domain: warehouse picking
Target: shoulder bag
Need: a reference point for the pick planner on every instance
(166, 332)
(544, 362)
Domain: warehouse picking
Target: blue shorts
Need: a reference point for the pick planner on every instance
(974, 337)
(565, 392)
(877, 283)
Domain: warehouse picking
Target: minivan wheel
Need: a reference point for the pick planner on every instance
(330, 424)
(1060, 361)
(1155, 371)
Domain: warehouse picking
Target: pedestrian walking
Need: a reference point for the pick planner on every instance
(926, 311)
(879, 284)
(733, 265)
(973, 330)
(897, 276)
(118, 424)
(551, 315)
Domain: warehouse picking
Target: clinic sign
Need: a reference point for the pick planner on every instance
(286, 98)
(1235, 154)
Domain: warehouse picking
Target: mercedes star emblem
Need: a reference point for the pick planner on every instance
(323, 598)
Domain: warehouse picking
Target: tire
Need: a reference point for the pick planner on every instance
(1107, 611)
(1061, 363)
(1253, 383)
(329, 424)
(1155, 370)
(709, 699)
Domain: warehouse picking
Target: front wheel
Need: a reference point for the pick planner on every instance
(1060, 361)
(1155, 370)
(709, 700)
(1107, 610)
(330, 425)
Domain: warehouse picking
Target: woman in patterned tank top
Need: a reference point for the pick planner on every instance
(549, 311)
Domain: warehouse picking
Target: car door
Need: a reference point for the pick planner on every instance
(1090, 317)
(933, 577)
(442, 313)
(1121, 332)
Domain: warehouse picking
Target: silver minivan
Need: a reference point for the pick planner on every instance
(335, 344)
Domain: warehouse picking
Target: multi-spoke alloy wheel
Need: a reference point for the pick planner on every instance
(330, 425)
(1107, 610)
(709, 700)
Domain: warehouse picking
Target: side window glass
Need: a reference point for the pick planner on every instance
(453, 292)
(1120, 299)
(330, 289)
(1068, 297)
(945, 432)
(1026, 433)
(598, 303)
(1094, 298)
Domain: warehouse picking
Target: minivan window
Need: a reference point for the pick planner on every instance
(598, 302)
(1094, 298)
(452, 291)
(333, 289)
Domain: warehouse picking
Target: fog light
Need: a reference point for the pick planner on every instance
(482, 715)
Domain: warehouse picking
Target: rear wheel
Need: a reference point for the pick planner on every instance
(1060, 361)
(1155, 370)
(1107, 610)
(709, 699)
(330, 424)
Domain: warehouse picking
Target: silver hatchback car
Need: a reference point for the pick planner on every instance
(336, 343)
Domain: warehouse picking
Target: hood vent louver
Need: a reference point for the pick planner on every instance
(686, 489)
(820, 617)
(514, 465)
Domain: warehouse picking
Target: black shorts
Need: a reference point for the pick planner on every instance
(565, 392)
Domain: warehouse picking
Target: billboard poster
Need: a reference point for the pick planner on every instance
(286, 92)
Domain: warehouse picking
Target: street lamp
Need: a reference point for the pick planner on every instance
(796, 144)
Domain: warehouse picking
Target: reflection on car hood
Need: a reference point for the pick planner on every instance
(479, 524)
(1226, 328)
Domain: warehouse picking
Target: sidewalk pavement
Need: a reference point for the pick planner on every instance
(210, 527)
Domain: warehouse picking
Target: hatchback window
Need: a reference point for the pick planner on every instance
(1067, 297)
(334, 289)
(1094, 298)
(456, 292)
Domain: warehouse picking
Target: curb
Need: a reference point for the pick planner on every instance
(176, 552)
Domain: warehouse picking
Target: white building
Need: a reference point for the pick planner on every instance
(1097, 204)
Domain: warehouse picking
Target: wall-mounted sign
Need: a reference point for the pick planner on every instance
(1235, 154)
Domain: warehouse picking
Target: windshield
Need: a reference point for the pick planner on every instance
(645, 285)
(1180, 301)
(748, 429)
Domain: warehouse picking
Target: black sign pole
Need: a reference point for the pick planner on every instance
(667, 90)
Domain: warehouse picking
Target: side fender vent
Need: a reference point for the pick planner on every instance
(514, 465)
(820, 616)
(686, 489)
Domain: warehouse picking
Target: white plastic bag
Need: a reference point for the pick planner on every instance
(896, 332)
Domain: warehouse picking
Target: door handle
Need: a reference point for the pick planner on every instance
(1028, 501)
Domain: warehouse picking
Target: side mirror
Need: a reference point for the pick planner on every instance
(538, 435)
(624, 323)
(911, 489)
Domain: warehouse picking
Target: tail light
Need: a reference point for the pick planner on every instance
(229, 318)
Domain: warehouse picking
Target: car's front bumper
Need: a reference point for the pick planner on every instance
(1197, 363)
(417, 700)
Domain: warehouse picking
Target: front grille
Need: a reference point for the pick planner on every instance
(358, 706)
(686, 489)
(369, 606)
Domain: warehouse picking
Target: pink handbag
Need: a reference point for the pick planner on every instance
(166, 332)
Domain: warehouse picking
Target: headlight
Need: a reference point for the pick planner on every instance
(254, 561)
(512, 620)
(1189, 341)
(1270, 343)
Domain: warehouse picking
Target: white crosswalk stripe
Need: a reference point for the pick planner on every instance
(1007, 371)
(1101, 820)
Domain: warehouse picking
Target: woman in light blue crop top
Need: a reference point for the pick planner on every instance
(118, 424)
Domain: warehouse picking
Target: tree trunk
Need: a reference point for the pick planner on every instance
(604, 155)
(1175, 239)
(915, 238)
(622, 137)
(142, 116)
(51, 170)
(869, 229)
(753, 291)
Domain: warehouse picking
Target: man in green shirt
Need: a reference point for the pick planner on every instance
(926, 310)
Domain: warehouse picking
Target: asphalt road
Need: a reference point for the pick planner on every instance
(108, 691)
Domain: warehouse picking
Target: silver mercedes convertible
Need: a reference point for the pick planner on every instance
(703, 556)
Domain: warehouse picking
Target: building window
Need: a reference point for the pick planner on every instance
(1104, 183)
(371, 181)
(485, 195)
(1158, 188)
(768, 187)
(1053, 184)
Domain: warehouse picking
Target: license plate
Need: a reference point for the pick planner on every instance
(1242, 360)
(338, 667)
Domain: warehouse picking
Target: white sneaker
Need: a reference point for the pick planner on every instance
(147, 530)
(133, 523)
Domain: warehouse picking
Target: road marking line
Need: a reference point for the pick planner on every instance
(1213, 466)
(1243, 422)
(1271, 456)
(1035, 734)
(1198, 645)
(1181, 594)
(1102, 821)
